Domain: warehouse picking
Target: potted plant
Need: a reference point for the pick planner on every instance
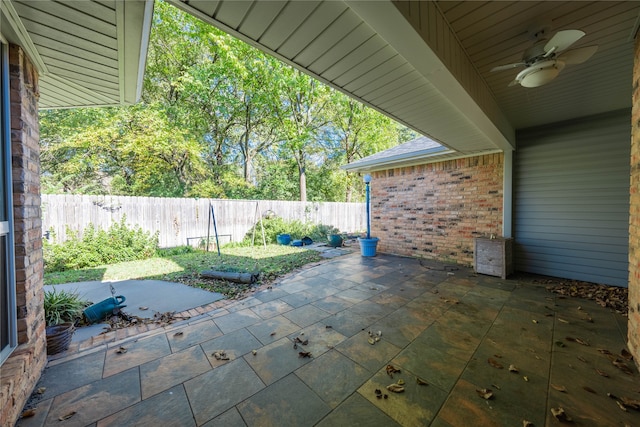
(61, 311)
(368, 245)
(335, 240)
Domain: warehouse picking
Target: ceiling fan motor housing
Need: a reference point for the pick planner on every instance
(539, 73)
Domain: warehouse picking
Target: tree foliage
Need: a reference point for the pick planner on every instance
(218, 118)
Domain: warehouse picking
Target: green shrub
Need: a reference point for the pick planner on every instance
(62, 306)
(178, 250)
(99, 247)
(276, 225)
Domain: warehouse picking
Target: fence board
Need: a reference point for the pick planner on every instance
(177, 220)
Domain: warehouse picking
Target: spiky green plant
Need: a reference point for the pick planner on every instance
(62, 306)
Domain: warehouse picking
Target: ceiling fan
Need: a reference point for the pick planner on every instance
(544, 60)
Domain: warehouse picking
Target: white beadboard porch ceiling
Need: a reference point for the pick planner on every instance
(427, 63)
(87, 52)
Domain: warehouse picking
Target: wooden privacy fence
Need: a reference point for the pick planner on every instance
(184, 221)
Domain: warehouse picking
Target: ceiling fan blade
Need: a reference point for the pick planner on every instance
(578, 56)
(563, 39)
(513, 83)
(508, 66)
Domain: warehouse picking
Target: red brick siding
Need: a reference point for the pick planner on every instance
(435, 210)
(634, 214)
(22, 370)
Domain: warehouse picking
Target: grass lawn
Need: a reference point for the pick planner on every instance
(271, 262)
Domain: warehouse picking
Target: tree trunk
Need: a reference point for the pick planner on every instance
(303, 184)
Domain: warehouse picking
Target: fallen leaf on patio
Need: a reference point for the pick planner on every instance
(603, 373)
(526, 423)
(535, 321)
(420, 381)
(624, 353)
(392, 370)
(589, 389)
(178, 334)
(499, 356)
(631, 403)
(67, 416)
(589, 319)
(622, 366)
(496, 386)
(512, 368)
(560, 415)
(303, 341)
(41, 390)
(371, 341)
(526, 378)
(386, 396)
(562, 320)
(621, 406)
(582, 359)
(328, 326)
(220, 355)
(560, 388)
(549, 315)
(254, 352)
(495, 363)
(143, 308)
(400, 381)
(570, 339)
(378, 391)
(604, 351)
(396, 388)
(272, 334)
(304, 354)
(121, 350)
(582, 342)
(485, 393)
(28, 413)
(560, 344)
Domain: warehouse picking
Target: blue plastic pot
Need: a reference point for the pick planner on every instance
(368, 246)
(283, 239)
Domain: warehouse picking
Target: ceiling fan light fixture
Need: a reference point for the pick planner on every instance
(538, 74)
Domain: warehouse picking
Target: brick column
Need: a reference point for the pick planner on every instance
(22, 370)
(634, 214)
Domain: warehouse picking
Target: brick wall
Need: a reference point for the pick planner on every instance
(22, 370)
(634, 214)
(435, 210)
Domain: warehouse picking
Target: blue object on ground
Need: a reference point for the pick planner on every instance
(283, 239)
(98, 311)
(368, 246)
(297, 243)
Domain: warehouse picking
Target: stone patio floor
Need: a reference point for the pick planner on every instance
(457, 331)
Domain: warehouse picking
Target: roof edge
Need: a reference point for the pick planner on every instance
(413, 160)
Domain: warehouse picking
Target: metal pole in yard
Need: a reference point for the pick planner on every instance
(208, 228)
(215, 229)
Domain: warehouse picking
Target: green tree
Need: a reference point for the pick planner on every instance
(302, 113)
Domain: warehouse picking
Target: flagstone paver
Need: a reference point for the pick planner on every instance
(457, 331)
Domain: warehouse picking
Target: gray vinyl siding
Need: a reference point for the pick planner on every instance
(571, 199)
